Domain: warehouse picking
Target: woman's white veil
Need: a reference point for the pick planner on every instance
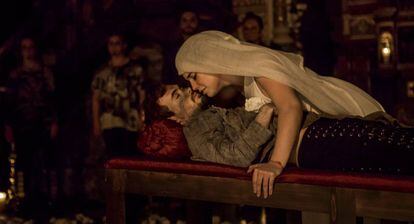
(216, 52)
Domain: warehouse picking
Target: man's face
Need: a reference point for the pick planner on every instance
(116, 45)
(28, 48)
(251, 31)
(188, 23)
(182, 102)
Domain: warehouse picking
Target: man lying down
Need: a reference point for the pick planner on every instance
(240, 138)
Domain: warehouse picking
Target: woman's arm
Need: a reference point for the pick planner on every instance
(289, 118)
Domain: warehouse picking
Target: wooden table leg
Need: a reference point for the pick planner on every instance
(343, 208)
(115, 196)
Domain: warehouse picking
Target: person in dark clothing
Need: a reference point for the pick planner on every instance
(188, 25)
(32, 123)
(4, 146)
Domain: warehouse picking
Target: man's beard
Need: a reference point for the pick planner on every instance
(204, 100)
(188, 31)
(203, 105)
(117, 54)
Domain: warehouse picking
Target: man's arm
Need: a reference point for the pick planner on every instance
(98, 83)
(95, 113)
(142, 94)
(208, 140)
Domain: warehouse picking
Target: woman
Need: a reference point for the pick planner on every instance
(32, 123)
(213, 60)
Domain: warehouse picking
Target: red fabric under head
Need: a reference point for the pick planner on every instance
(164, 139)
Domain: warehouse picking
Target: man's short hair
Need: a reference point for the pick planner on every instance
(153, 111)
(183, 10)
(118, 34)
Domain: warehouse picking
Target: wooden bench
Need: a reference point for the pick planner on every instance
(343, 196)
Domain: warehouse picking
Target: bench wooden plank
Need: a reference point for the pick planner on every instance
(342, 204)
(227, 190)
(385, 204)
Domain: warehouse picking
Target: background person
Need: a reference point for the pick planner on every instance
(252, 27)
(116, 100)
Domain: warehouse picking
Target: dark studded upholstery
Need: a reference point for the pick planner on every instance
(358, 145)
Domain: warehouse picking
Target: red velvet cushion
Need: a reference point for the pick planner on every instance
(164, 139)
(349, 180)
(290, 175)
(184, 167)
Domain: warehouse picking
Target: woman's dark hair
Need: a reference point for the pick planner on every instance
(153, 111)
(252, 15)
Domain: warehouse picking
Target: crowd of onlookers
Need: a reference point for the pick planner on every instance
(56, 136)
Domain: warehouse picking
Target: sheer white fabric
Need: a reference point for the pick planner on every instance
(216, 52)
(255, 99)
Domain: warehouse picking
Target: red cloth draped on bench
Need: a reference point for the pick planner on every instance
(290, 175)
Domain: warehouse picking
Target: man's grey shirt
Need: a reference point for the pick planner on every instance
(227, 136)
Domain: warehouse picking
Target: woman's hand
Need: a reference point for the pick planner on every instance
(263, 177)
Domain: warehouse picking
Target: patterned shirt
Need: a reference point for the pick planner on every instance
(31, 100)
(119, 98)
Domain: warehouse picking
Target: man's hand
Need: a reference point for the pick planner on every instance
(263, 177)
(96, 130)
(265, 115)
(54, 129)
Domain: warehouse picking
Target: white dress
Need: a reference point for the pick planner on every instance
(255, 99)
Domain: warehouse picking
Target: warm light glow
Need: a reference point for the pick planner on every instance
(3, 196)
(385, 47)
(386, 51)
